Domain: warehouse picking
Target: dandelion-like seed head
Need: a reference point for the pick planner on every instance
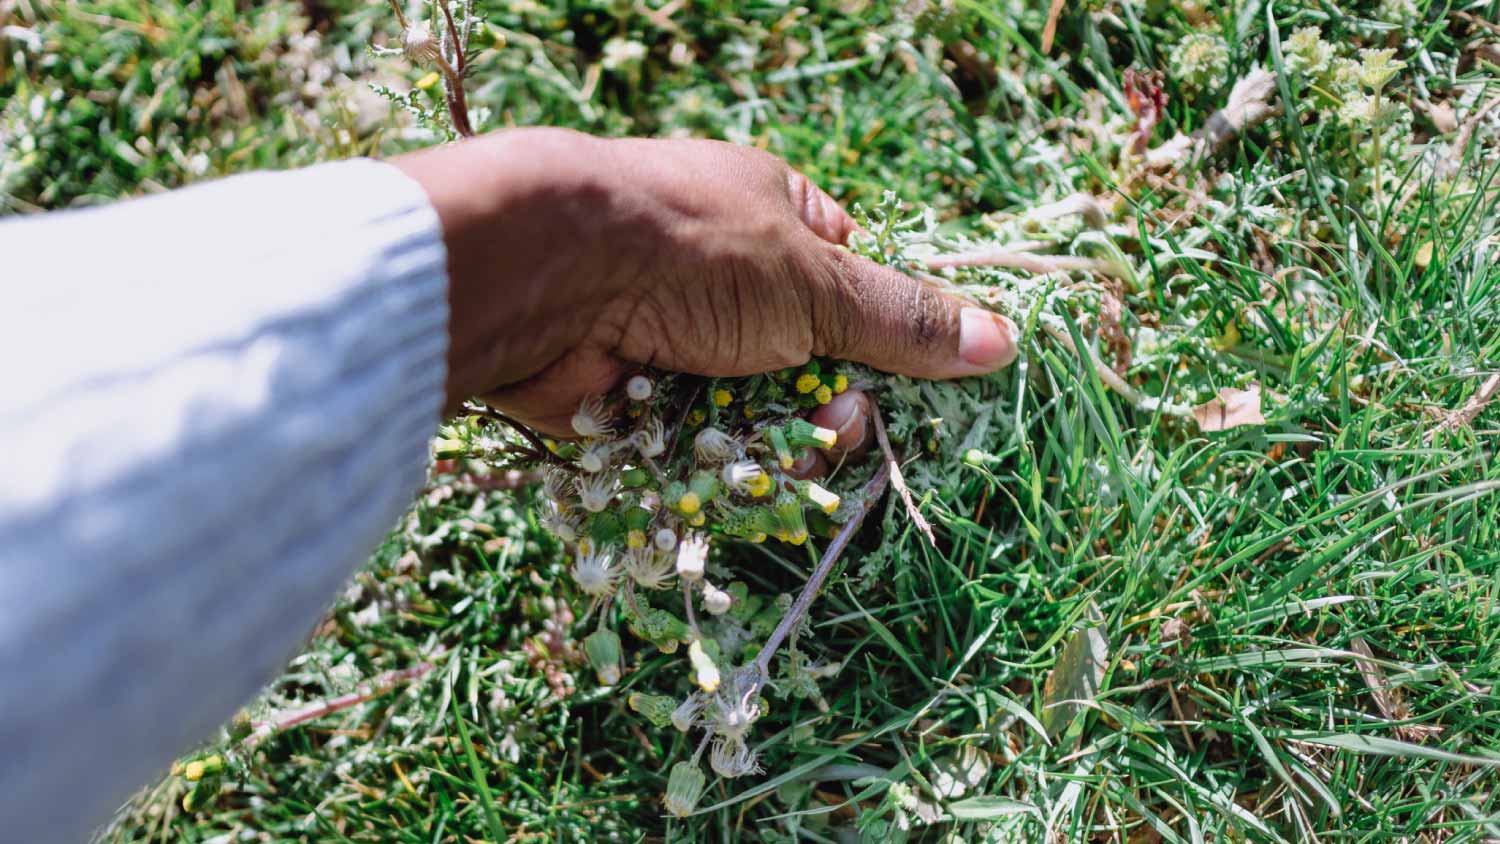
(591, 419)
(651, 439)
(560, 522)
(595, 456)
(419, 45)
(638, 388)
(596, 491)
(594, 573)
(715, 600)
(557, 484)
(740, 475)
(650, 568)
(732, 758)
(714, 446)
(692, 555)
(686, 714)
(737, 706)
(665, 539)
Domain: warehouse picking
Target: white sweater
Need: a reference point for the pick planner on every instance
(213, 404)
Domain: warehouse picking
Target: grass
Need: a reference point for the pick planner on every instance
(1274, 632)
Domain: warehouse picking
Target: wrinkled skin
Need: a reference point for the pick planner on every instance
(576, 260)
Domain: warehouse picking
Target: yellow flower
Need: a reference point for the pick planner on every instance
(689, 503)
(840, 383)
(697, 416)
(759, 485)
(823, 394)
(749, 412)
(429, 80)
(635, 539)
(807, 382)
(723, 397)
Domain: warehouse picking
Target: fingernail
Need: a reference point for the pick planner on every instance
(986, 341)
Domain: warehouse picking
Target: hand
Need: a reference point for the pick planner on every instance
(575, 260)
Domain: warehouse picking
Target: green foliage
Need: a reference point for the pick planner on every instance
(1296, 618)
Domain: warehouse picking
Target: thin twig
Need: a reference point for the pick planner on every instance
(871, 493)
(897, 480)
(1028, 261)
(453, 78)
(1466, 414)
(365, 691)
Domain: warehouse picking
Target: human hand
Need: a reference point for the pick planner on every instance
(575, 260)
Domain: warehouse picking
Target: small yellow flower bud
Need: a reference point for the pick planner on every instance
(723, 397)
(807, 382)
(840, 383)
(689, 503)
(199, 768)
(823, 394)
(705, 673)
(635, 539)
(759, 485)
(697, 416)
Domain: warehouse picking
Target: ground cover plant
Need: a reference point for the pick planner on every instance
(1215, 560)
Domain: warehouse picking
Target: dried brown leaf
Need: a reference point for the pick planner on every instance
(1076, 676)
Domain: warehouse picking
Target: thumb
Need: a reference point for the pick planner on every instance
(877, 316)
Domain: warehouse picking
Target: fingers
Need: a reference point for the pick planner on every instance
(546, 401)
(877, 316)
(848, 415)
(819, 211)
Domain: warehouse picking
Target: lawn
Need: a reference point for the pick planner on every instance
(1217, 559)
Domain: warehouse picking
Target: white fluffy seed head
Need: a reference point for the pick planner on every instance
(419, 45)
(638, 388)
(591, 419)
(651, 439)
(731, 758)
(686, 713)
(593, 573)
(665, 539)
(714, 446)
(559, 522)
(738, 474)
(596, 491)
(692, 555)
(650, 568)
(715, 600)
(594, 457)
(557, 484)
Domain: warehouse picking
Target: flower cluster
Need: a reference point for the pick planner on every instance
(1201, 61)
(657, 471)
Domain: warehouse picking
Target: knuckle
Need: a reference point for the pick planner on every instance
(930, 316)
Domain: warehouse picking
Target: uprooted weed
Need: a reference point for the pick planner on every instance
(1269, 617)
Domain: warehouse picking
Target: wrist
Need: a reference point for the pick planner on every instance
(527, 222)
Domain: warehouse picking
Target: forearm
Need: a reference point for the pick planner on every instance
(216, 403)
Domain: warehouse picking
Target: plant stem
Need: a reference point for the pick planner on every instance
(365, 691)
(871, 493)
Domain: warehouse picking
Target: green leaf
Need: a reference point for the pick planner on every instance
(980, 808)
